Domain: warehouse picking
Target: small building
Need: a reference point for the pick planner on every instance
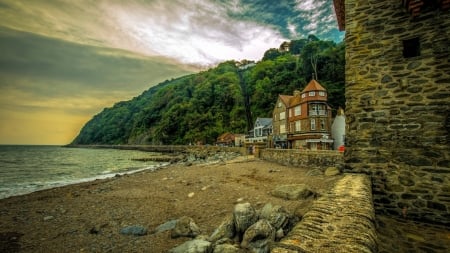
(284, 47)
(279, 122)
(309, 118)
(226, 139)
(239, 140)
(261, 130)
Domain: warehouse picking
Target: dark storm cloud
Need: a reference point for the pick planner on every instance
(71, 67)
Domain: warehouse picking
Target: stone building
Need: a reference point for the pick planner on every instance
(309, 118)
(279, 122)
(398, 103)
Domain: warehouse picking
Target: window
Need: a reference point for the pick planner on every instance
(322, 93)
(279, 104)
(282, 129)
(322, 124)
(411, 47)
(282, 115)
(298, 126)
(312, 93)
(303, 95)
(313, 124)
(298, 110)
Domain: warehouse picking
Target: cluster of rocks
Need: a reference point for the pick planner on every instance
(206, 156)
(247, 229)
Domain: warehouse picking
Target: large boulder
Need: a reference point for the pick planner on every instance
(226, 248)
(226, 230)
(293, 191)
(277, 216)
(185, 227)
(193, 246)
(258, 237)
(244, 216)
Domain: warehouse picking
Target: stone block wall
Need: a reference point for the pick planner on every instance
(398, 106)
(302, 158)
(342, 220)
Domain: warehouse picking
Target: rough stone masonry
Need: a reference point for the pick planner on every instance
(398, 105)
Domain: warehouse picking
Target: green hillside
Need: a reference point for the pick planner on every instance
(227, 98)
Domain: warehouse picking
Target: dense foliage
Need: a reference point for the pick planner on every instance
(227, 98)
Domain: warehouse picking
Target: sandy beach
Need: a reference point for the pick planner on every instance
(88, 217)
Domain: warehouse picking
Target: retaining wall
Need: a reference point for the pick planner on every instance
(302, 158)
(342, 220)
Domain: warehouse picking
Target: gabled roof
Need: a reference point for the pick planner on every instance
(285, 99)
(313, 86)
(264, 121)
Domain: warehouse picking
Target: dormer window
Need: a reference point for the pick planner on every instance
(312, 93)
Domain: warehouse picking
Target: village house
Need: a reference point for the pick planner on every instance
(279, 122)
(260, 132)
(309, 119)
(226, 139)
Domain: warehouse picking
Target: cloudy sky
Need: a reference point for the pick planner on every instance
(63, 61)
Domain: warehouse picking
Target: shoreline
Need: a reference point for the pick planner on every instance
(62, 183)
(62, 219)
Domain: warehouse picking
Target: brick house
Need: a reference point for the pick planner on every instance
(309, 118)
(226, 139)
(397, 84)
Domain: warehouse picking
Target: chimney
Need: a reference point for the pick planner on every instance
(296, 93)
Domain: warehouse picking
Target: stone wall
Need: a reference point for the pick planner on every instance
(398, 106)
(340, 221)
(302, 158)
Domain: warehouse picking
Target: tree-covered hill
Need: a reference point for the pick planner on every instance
(227, 98)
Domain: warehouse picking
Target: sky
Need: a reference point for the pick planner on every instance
(63, 61)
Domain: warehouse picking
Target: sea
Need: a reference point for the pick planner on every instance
(25, 169)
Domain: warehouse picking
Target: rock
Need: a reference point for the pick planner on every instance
(293, 191)
(225, 230)
(279, 234)
(258, 237)
(47, 218)
(314, 172)
(226, 248)
(185, 227)
(244, 216)
(191, 194)
(277, 216)
(332, 171)
(134, 230)
(166, 226)
(193, 246)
